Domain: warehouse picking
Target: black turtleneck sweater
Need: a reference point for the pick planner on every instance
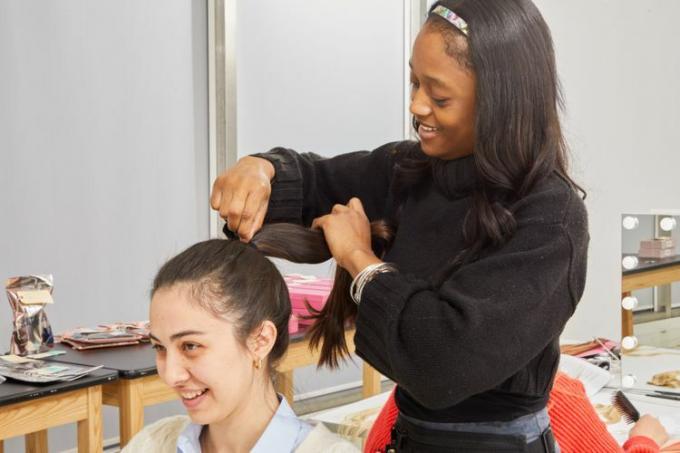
(482, 346)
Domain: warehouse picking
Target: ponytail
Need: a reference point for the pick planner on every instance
(302, 245)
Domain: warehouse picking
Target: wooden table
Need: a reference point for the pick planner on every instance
(299, 355)
(650, 272)
(139, 384)
(31, 409)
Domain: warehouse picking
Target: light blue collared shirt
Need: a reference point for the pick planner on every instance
(284, 433)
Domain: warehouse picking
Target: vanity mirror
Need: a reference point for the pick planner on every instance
(650, 303)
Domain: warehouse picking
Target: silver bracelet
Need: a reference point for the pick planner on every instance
(366, 275)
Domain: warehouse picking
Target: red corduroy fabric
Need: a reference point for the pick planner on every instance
(575, 424)
(578, 428)
(381, 431)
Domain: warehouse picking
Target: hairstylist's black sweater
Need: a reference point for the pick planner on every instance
(484, 345)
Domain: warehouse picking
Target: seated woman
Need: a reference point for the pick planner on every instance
(219, 317)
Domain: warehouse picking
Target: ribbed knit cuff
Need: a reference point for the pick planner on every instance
(382, 298)
(641, 444)
(382, 301)
(285, 202)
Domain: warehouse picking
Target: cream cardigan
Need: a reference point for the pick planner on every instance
(161, 437)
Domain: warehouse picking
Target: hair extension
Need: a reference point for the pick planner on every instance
(303, 245)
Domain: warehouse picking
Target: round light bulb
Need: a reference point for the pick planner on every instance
(628, 381)
(629, 303)
(629, 262)
(629, 342)
(630, 223)
(668, 224)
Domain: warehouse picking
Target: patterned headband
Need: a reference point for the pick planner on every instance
(451, 17)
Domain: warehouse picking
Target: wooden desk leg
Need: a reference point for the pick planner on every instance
(626, 319)
(371, 381)
(36, 442)
(284, 385)
(90, 436)
(131, 409)
(2, 446)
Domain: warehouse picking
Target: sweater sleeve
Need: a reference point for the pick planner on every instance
(159, 437)
(306, 186)
(483, 325)
(574, 421)
(641, 444)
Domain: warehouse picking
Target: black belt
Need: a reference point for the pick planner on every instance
(410, 438)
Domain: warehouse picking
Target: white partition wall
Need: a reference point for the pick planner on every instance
(326, 77)
(620, 68)
(103, 155)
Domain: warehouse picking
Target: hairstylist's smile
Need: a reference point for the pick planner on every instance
(426, 132)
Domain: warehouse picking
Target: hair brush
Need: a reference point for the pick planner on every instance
(625, 407)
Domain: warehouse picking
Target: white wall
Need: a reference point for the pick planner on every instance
(620, 67)
(325, 77)
(103, 154)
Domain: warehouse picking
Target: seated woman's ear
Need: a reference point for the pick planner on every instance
(261, 341)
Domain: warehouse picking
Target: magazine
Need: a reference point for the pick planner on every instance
(107, 335)
(40, 371)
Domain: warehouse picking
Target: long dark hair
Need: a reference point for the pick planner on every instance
(518, 136)
(303, 245)
(230, 277)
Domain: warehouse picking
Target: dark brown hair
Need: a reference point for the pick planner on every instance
(303, 245)
(231, 278)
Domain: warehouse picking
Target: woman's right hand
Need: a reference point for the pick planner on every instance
(241, 195)
(649, 426)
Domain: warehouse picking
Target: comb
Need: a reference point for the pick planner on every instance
(625, 407)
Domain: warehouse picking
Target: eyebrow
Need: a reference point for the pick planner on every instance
(432, 80)
(177, 335)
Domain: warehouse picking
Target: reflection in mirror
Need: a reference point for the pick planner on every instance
(650, 303)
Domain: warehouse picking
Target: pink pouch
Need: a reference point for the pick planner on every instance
(293, 323)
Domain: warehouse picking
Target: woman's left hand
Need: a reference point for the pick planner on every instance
(348, 235)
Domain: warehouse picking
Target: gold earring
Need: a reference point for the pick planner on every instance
(257, 363)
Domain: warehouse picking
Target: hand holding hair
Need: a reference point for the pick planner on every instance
(298, 244)
(241, 195)
(348, 235)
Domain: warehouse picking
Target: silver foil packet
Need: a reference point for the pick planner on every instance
(28, 297)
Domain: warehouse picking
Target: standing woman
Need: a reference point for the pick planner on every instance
(488, 261)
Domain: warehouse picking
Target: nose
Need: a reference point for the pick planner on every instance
(419, 107)
(172, 369)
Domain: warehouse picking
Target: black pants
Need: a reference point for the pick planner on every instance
(410, 438)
